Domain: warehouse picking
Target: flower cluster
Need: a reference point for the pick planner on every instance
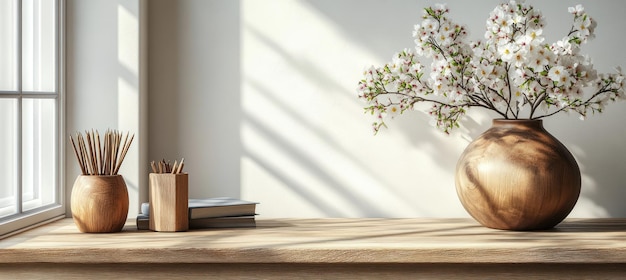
(513, 72)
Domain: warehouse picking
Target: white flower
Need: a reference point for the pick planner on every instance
(371, 73)
(562, 102)
(535, 62)
(416, 68)
(521, 76)
(562, 47)
(420, 34)
(444, 39)
(577, 11)
(586, 74)
(441, 7)
(507, 52)
(394, 110)
(583, 24)
(489, 35)
(534, 36)
(438, 87)
(430, 25)
(505, 22)
(416, 31)
(546, 57)
(484, 70)
(519, 58)
(559, 75)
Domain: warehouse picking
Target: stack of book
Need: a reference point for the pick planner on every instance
(218, 212)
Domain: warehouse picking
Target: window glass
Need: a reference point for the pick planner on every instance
(38, 45)
(30, 186)
(38, 152)
(8, 156)
(8, 45)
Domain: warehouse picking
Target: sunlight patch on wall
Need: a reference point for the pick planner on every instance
(128, 35)
(586, 207)
(307, 146)
(128, 96)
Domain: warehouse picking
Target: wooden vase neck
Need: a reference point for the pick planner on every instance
(519, 123)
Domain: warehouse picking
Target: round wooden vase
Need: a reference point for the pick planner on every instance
(99, 203)
(516, 176)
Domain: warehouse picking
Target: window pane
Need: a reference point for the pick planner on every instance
(8, 45)
(38, 45)
(38, 152)
(8, 157)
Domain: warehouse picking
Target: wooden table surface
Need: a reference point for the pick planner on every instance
(327, 241)
(322, 249)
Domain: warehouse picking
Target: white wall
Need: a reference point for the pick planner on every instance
(195, 91)
(259, 97)
(106, 82)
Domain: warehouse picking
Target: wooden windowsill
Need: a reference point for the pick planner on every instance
(326, 242)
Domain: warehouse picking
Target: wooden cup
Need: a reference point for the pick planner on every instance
(99, 203)
(169, 196)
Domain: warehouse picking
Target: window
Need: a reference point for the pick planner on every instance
(30, 112)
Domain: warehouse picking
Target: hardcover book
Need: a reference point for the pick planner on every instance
(220, 207)
(143, 222)
(218, 212)
(224, 222)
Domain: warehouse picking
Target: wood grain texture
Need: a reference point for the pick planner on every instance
(313, 271)
(99, 203)
(517, 176)
(330, 241)
(169, 196)
(322, 249)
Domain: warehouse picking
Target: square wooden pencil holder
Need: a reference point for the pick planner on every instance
(169, 198)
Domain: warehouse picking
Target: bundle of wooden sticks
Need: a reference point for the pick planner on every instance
(166, 167)
(101, 158)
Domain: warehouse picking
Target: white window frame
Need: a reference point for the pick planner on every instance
(27, 219)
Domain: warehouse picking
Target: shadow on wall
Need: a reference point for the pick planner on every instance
(600, 152)
(166, 78)
(364, 22)
(289, 144)
(305, 136)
